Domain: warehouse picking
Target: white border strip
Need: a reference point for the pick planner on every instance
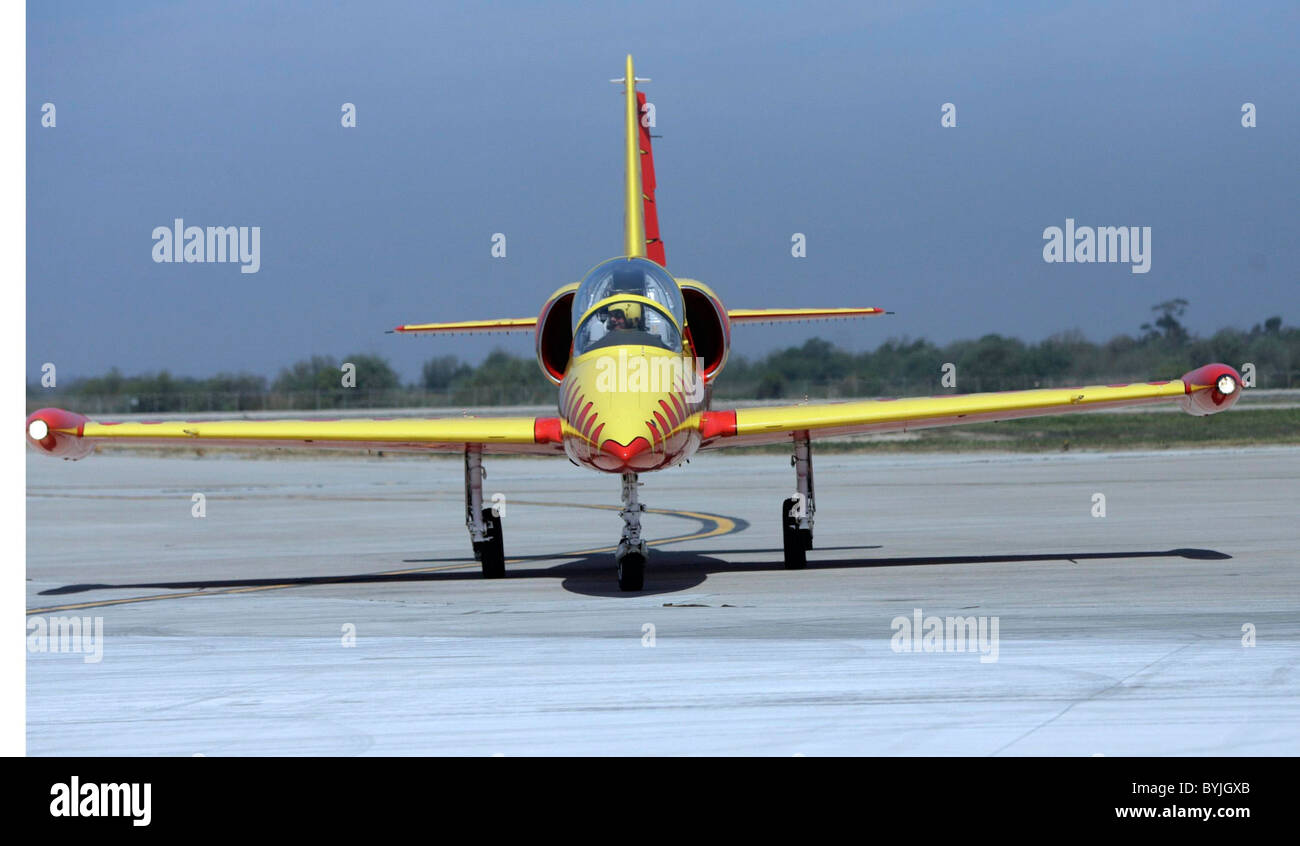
(13, 457)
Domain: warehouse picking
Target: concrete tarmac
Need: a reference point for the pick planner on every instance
(330, 606)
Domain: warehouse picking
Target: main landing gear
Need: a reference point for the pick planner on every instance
(632, 553)
(484, 525)
(797, 511)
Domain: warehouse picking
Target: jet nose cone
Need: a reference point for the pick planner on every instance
(626, 457)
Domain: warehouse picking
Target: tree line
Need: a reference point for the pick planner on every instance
(1162, 348)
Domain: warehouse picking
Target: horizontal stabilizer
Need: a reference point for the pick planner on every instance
(786, 315)
(465, 327)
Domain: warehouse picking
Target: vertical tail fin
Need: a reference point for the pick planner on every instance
(654, 245)
(633, 211)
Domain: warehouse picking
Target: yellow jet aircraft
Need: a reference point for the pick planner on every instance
(634, 352)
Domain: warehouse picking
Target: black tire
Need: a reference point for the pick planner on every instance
(794, 541)
(631, 572)
(491, 551)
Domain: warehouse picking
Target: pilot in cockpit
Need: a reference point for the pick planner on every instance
(624, 317)
(632, 303)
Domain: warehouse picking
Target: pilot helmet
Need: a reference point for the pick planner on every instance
(630, 312)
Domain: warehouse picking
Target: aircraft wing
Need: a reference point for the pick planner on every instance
(69, 435)
(1207, 390)
(785, 315)
(464, 327)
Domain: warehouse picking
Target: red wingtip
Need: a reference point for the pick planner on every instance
(55, 431)
(1210, 389)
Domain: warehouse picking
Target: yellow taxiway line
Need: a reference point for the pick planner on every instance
(720, 526)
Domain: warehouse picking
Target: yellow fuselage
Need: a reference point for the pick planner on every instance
(631, 408)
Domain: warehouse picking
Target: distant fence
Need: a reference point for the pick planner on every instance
(531, 395)
(852, 387)
(351, 398)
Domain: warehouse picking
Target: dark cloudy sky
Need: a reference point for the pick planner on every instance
(777, 118)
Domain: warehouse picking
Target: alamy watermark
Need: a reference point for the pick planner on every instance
(72, 798)
(81, 635)
(919, 633)
(1086, 244)
(220, 244)
(657, 375)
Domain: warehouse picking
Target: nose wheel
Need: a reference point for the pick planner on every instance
(631, 571)
(632, 551)
(491, 550)
(795, 541)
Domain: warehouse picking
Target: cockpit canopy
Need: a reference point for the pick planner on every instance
(636, 276)
(635, 301)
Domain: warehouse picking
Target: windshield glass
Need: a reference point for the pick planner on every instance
(626, 322)
(628, 276)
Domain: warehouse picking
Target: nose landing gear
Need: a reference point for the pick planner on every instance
(632, 551)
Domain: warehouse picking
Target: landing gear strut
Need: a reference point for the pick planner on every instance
(797, 511)
(484, 525)
(632, 552)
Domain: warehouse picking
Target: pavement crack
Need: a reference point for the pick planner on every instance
(1088, 698)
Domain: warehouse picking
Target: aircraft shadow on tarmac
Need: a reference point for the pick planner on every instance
(669, 571)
